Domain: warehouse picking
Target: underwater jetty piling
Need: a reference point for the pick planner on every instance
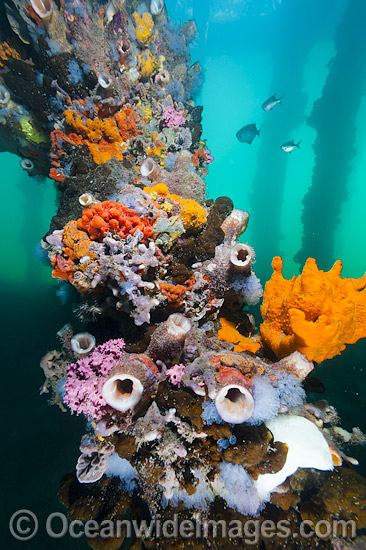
(267, 194)
(333, 117)
(191, 412)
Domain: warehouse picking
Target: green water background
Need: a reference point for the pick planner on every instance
(40, 442)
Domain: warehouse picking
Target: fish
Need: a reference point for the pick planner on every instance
(290, 146)
(271, 102)
(248, 133)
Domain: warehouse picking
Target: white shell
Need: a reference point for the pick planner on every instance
(235, 224)
(296, 363)
(150, 169)
(133, 74)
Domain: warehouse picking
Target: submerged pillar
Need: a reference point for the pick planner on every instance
(334, 118)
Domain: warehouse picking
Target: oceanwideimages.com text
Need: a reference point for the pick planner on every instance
(24, 526)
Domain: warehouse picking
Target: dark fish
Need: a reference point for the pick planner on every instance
(248, 133)
(290, 146)
(271, 102)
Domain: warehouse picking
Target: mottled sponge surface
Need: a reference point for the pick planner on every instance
(316, 313)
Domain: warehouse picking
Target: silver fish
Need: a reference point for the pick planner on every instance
(290, 146)
(271, 102)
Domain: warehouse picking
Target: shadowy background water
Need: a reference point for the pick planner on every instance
(308, 203)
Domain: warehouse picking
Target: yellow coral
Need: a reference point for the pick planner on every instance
(147, 113)
(316, 313)
(148, 65)
(159, 189)
(144, 27)
(158, 150)
(192, 214)
(228, 333)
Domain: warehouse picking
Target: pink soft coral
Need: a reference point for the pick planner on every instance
(171, 117)
(85, 379)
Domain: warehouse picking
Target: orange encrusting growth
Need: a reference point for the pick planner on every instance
(76, 246)
(105, 137)
(192, 214)
(199, 156)
(76, 242)
(56, 175)
(228, 333)
(175, 293)
(7, 52)
(64, 268)
(316, 313)
(115, 217)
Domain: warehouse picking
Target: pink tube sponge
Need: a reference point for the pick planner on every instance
(171, 117)
(85, 379)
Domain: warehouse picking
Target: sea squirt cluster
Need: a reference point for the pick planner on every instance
(188, 408)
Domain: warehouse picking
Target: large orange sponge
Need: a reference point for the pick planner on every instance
(316, 313)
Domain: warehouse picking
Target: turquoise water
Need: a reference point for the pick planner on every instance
(246, 58)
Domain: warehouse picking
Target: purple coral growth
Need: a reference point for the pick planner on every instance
(171, 117)
(175, 374)
(85, 379)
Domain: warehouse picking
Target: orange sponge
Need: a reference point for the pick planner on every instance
(316, 313)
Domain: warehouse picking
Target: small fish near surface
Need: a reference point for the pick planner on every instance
(289, 146)
(271, 102)
(248, 133)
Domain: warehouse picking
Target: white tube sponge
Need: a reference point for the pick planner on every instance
(307, 448)
(241, 257)
(234, 401)
(235, 225)
(122, 391)
(82, 343)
